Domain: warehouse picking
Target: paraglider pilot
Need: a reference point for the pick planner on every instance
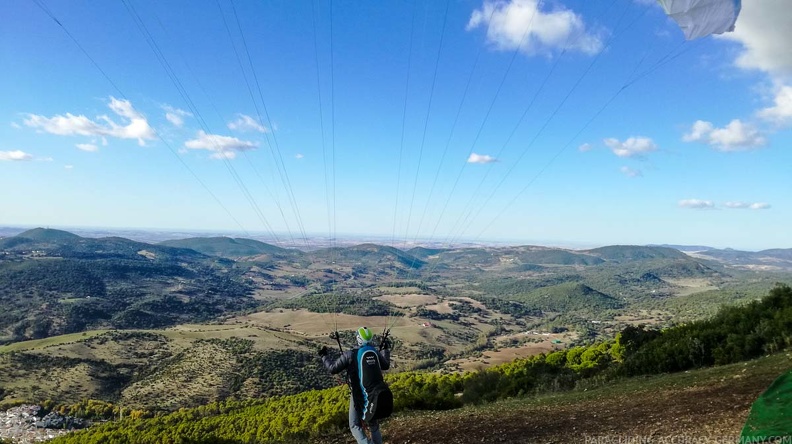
(371, 398)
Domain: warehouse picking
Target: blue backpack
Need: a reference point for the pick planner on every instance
(377, 396)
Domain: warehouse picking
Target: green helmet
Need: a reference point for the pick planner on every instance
(364, 336)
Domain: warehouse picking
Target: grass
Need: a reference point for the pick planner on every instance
(689, 286)
(51, 341)
(399, 290)
(68, 384)
(180, 336)
(404, 300)
(183, 335)
(312, 324)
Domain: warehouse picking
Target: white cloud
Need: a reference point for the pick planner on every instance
(700, 131)
(631, 172)
(15, 155)
(696, 204)
(68, 167)
(224, 155)
(87, 147)
(175, 115)
(15, 125)
(747, 205)
(481, 158)
(246, 123)
(632, 147)
(781, 112)
(298, 156)
(223, 146)
(736, 136)
(523, 24)
(585, 147)
(69, 124)
(175, 119)
(764, 29)
(65, 125)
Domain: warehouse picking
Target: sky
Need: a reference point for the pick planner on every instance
(528, 121)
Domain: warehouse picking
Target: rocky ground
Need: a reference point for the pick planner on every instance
(19, 425)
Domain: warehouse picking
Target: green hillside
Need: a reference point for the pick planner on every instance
(50, 297)
(353, 304)
(624, 253)
(67, 284)
(153, 370)
(228, 247)
(47, 235)
(776, 256)
(517, 255)
(467, 257)
(36, 236)
(507, 287)
(66, 245)
(371, 255)
(557, 257)
(686, 268)
(569, 297)
(525, 268)
(423, 253)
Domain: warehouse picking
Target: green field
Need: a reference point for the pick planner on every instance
(51, 341)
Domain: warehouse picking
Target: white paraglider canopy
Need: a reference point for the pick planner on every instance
(700, 18)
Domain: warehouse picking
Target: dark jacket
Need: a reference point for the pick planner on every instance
(348, 361)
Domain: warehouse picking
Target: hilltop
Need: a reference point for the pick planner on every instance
(625, 253)
(37, 236)
(53, 282)
(569, 297)
(229, 247)
(47, 235)
(772, 259)
(387, 259)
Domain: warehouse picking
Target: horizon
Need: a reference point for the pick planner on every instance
(571, 123)
(320, 240)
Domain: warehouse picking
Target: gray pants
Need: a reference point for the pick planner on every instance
(356, 426)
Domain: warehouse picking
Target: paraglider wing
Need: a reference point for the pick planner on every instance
(699, 18)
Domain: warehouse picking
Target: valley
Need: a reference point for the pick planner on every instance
(201, 320)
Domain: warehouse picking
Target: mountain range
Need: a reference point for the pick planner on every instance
(55, 282)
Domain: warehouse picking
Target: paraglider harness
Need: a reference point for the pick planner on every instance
(377, 400)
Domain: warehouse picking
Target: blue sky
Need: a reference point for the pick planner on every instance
(695, 150)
